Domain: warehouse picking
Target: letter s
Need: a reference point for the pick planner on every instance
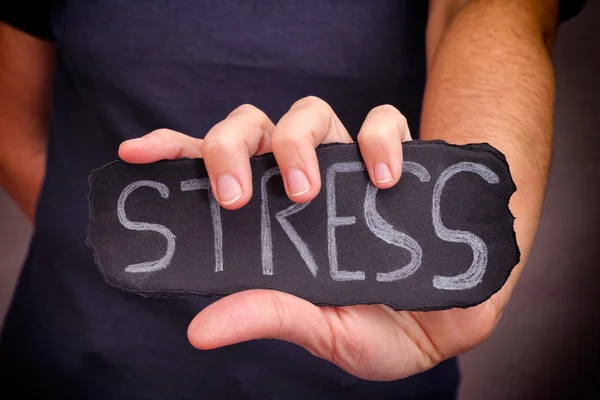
(147, 266)
(383, 230)
(474, 274)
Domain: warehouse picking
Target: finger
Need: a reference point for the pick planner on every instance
(308, 123)
(161, 144)
(369, 341)
(256, 314)
(227, 149)
(380, 140)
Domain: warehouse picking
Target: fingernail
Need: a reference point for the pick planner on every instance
(382, 172)
(297, 182)
(228, 190)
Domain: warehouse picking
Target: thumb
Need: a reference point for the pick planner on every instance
(258, 314)
(369, 341)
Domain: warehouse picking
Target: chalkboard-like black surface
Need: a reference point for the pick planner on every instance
(442, 238)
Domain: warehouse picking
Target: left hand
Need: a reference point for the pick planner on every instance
(369, 341)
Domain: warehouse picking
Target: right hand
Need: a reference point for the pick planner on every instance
(369, 341)
(247, 132)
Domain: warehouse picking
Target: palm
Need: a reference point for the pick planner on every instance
(370, 341)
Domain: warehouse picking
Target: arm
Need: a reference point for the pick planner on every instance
(25, 91)
(491, 80)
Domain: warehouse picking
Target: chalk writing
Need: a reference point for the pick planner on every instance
(333, 221)
(147, 266)
(475, 272)
(383, 230)
(374, 221)
(267, 235)
(442, 237)
(215, 212)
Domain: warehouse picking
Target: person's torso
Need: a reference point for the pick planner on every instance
(125, 68)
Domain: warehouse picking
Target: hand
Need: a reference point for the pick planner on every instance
(369, 341)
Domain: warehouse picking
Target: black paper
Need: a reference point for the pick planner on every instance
(473, 205)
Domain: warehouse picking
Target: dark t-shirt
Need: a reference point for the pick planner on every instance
(127, 67)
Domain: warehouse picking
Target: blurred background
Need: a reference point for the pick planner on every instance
(547, 343)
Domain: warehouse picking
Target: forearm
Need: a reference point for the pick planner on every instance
(25, 90)
(21, 175)
(22, 155)
(491, 80)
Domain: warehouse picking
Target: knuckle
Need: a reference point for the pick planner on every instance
(391, 113)
(279, 310)
(252, 116)
(311, 101)
(216, 144)
(402, 122)
(245, 109)
(288, 140)
(385, 108)
(384, 123)
(380, 131)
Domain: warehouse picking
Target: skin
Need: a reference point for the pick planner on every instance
(25, 91)
(490, 80)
